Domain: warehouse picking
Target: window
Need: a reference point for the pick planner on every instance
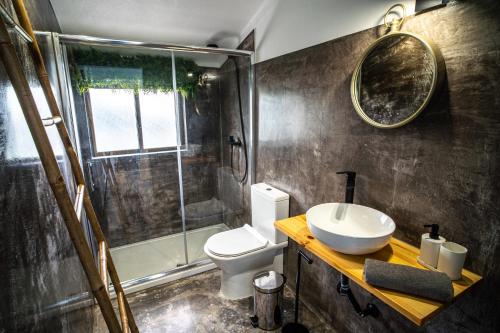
(158, 117)
(122, 122)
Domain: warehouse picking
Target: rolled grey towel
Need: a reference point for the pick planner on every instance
(409, 280)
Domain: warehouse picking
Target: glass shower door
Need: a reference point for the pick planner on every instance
(212, 116)
(129, 127)
(154, 128)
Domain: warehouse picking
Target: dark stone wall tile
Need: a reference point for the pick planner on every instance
(42, 15)
(38, 266)
(441, 168)
(248, 43)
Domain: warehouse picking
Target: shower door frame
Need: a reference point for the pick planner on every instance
(59, 41)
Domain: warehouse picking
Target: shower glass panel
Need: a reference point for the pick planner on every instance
(127, 122)
(158, 133)
(235, 82)
(213, 198)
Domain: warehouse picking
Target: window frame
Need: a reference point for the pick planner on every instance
(180, 121)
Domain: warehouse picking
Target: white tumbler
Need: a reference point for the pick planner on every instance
(451, 259)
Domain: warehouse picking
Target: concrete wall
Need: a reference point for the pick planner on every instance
(441, 168)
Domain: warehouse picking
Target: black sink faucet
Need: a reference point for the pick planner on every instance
(343, 287)
(351, 182)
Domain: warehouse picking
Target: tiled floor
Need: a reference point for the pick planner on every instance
(192, 305)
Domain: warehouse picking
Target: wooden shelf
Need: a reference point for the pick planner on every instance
(416, 309)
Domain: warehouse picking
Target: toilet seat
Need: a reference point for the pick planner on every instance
(236, 242)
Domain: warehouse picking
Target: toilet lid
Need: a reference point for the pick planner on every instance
(236, 242)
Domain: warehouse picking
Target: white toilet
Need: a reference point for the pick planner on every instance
(243, 252)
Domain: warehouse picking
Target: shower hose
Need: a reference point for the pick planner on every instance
(240, 179)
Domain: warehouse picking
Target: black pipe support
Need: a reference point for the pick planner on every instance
(344, 289)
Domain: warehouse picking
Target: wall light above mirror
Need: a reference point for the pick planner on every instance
(426, 5)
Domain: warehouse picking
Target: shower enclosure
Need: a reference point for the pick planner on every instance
(164, 134)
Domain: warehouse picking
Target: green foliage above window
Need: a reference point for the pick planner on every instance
(94, 68)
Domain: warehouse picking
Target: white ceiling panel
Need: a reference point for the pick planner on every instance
(188, 22)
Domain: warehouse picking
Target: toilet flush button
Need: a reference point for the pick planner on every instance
(269, 189)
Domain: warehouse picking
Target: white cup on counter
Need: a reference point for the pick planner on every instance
(451, 259)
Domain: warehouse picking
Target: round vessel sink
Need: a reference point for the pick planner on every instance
(350, 228)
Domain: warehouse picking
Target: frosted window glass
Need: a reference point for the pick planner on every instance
(158, 120)
(115, 125)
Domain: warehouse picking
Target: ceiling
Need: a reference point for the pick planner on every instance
(187, 22)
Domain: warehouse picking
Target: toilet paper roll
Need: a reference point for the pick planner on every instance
(451, 259)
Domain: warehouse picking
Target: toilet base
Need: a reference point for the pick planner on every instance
(238, 286)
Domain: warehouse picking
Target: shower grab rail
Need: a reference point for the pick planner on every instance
(71, 212)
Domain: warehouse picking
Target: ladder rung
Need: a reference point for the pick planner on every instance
(51, 121)
(103, 264)
(123, 312)
(79, 201)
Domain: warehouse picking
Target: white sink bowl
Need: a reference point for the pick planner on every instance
(350, 228)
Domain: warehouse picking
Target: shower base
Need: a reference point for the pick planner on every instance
(160, 260)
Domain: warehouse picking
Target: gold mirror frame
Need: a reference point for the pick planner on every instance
(437, 78)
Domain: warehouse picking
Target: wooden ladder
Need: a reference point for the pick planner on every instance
(71, 212)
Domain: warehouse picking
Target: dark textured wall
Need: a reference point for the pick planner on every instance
(42, 15)
(38, 264)
(442, 168)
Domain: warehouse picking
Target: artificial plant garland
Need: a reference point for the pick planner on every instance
(156, 72)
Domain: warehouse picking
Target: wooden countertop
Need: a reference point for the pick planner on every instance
(416, 309)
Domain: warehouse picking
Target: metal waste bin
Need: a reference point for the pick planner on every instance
(268, 300)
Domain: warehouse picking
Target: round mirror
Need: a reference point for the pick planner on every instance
(395, 79)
